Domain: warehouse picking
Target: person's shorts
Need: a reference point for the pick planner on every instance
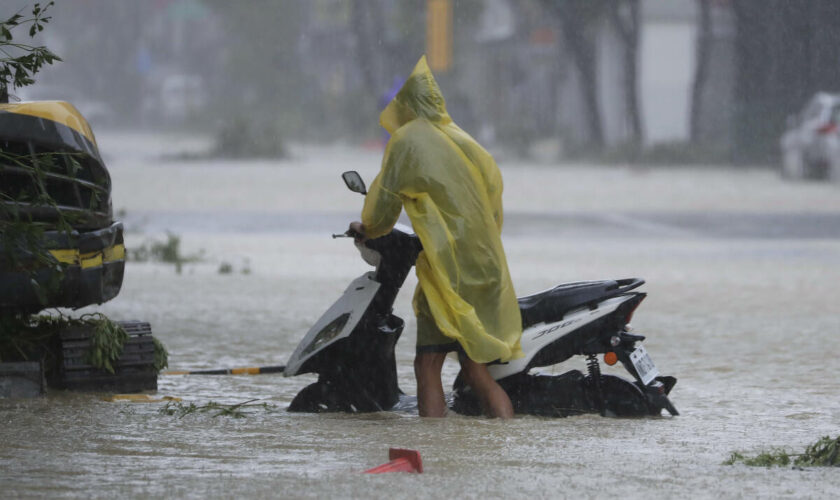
(429, 336)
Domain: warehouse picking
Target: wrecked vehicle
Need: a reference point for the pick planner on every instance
(60, 244)
(61, 248)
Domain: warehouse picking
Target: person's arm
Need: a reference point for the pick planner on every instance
(382, 203)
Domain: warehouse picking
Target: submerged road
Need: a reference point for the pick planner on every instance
(741, 269)
(642, 224)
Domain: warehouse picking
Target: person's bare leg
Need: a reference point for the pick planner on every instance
(494, 399)
(430, 400)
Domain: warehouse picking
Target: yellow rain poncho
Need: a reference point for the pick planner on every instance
(451, 189)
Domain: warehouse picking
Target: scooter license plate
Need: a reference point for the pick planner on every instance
(644, 365)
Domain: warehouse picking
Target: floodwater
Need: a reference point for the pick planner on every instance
(742, 272)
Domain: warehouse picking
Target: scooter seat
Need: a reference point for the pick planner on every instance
(552, 305)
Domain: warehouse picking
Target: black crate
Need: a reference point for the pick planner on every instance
(133, 372)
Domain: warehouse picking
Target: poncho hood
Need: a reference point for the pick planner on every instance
(419, 97)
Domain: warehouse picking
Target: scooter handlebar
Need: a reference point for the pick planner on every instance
(347, 234)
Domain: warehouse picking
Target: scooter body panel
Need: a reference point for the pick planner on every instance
(537, 337)
(335, 324)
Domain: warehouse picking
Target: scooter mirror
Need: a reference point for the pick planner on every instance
(354, 182)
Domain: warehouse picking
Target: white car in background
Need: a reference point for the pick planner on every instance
(811, 145)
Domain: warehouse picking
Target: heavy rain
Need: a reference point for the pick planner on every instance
(690, 143)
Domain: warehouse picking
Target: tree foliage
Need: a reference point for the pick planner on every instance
(579, 22)
(823, 453)
(260, 59)
(19, 62)
(21, 238)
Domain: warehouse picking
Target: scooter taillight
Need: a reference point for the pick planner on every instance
(632, 309)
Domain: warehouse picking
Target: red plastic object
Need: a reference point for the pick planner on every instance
(401, 460)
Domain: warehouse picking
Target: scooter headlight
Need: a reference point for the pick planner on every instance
(327, 333)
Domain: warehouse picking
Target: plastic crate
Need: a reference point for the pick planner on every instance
(133, 372)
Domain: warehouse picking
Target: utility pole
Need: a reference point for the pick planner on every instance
(439, 35)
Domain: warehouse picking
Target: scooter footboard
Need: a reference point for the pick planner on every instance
(540, 395)
(320, 397)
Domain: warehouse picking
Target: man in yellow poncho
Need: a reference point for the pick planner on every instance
(452, 191)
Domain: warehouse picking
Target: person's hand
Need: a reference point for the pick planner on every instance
(357, 231)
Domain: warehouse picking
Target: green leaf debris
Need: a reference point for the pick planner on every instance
(168, 251)
(238, 410)
(823, 453)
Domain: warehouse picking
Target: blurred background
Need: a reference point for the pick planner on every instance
(655, 81)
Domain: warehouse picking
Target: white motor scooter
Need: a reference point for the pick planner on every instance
(351, 347)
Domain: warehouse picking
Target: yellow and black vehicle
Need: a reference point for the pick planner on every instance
(59, 244)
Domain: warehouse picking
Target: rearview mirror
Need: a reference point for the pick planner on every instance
(354, 181)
